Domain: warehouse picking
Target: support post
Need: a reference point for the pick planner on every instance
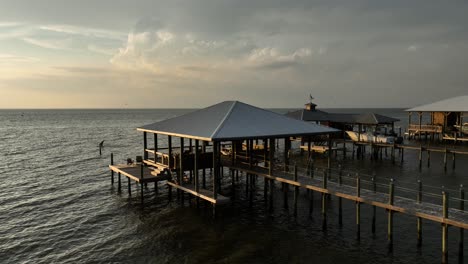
(358, 208)
(141, 183)
(181, 162)
(419, 219)
(461, 231)
(129, 186)
(112, 171)
(324, 201)
(445, 159)
(195, 166)
(329, 151)
(120, 183)
(145, 145)
(156, 148)
(445, 205)
(390, 216)
(169, 142)
(374, 209)
(270, 170)
(215, 169)
(296, 191)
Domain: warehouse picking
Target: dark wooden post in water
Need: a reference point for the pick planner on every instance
(390, 215)
(180, 175)
(204, 170)
(270, 170)
(156, 148)
(461, 234)
(445, 159)
(141, 184)
(324, 201)
(445, 205)
(215, 173)
(358, 207)
(129, 186)
(374, 188)
(265, 179)
(340, 200)
(120, 183)
(296, 191)
(195, 166)
(329, 150)
(169, 142)
(112, 171)
(419, 219)
(145, 146)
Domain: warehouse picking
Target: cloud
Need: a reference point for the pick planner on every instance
(10, 58)
(55, 44)
(82, 31)
(414, 47)
(271, 58)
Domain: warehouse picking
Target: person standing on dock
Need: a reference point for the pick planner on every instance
(101, 146)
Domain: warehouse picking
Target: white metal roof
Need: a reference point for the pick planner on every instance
(454, 104)
(231, 120)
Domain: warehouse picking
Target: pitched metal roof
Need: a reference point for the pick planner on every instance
(307, 115)
(234, 120)
(317, 115)
(454, 104)
(374, 119)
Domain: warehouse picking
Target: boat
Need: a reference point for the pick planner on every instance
(366, 137)
(463, 129)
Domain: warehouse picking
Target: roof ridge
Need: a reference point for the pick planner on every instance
(221, 124)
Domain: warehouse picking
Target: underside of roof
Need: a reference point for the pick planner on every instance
(454, 104)
(231, 120)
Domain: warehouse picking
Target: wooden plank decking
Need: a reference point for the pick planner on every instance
(202, 193)
(403, 205)
(134, 172)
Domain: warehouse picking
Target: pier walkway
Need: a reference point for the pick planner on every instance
(361, 191)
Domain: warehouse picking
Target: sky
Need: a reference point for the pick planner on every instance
(270, 53)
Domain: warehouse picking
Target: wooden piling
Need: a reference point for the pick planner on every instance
(419, 219)
(145, 145)
(112, 172)
(156, 147)
(420, 157)
(358, 208)
(129, 186)
(445, 159)
(390, 215)
(285, 195)
(141, 185)
(324, 201)
(340, 200)
(296, 191)
(461, 230)
(402, 156)
(120, 183)
(195, 166)
(445, 206)
(374, 208)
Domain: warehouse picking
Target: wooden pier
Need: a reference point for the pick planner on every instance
(241, 138)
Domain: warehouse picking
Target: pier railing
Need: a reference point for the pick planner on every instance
(425, 128)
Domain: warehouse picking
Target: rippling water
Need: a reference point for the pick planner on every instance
(57, 204)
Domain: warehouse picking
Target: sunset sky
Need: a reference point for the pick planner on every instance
(159, 54)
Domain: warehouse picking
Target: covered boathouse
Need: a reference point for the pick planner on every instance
(201, 140)
(446, 119)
